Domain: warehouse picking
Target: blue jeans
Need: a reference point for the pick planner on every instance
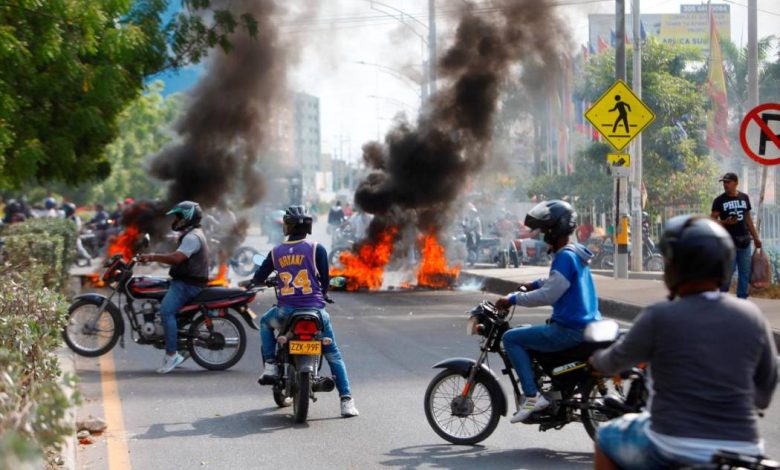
(624, 440)
(743, 265)
(542, 338)
(275, 317)
(179, 293)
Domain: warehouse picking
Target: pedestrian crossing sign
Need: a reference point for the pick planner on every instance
(619, 115)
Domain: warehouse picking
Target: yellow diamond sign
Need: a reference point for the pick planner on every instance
(619, 115)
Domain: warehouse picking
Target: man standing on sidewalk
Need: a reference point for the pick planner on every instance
(732, 210)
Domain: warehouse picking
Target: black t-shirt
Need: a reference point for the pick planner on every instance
(738, 206)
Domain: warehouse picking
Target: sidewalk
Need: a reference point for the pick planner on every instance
(621, 299)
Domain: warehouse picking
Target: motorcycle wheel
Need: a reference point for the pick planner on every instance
(242, 260)
(335, 256)
(96, 339)
(220, 349)
(483, 415)
(503, 262)
(655, 263)
(592, 392)
(607, 261)
(301, 396)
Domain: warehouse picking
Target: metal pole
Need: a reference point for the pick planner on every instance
(752, 101)
(636, 154)
(621, 207)
(432, 62)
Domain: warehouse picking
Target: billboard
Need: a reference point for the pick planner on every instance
(690, 27)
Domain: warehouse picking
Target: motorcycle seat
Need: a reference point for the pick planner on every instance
(581, 352)
(217, 293)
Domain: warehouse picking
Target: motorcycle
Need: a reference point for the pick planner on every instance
(652, 259)
(464, 402)
(299, 343)
(343, 240)
(208, 325)
(240, 261)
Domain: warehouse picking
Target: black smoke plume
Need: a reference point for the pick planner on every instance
(222, 133)
(421, 170)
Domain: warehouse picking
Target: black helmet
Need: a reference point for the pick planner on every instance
(49, 203)
(695, 248)
(188, 214)
(297, 221)
(554, 218)
(69, 209)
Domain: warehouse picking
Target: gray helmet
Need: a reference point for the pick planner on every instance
(553, 218)
(297, 220)
(695, 248)
(188, 214)
(69, 208)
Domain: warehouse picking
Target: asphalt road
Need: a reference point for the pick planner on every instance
(194, 418)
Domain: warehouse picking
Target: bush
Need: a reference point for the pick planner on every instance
(33, 403)
(44, 248)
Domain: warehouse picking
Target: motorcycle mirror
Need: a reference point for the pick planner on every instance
(601, 331)
(258, 259)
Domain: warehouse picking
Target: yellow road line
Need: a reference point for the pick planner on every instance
(118, 453)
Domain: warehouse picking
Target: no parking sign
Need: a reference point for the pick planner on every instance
(760, 134)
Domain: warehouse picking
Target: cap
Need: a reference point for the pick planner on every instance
(729, 177)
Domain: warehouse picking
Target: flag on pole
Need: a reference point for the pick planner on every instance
(602, 45)
(718, 115)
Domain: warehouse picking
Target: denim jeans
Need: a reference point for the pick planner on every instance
(743, 265)
(542, 338)
(624, 440)
(275, 317)
(179, 293)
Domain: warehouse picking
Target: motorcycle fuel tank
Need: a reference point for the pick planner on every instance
(146, 287)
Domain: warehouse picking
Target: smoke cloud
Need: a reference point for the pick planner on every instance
(420, 170)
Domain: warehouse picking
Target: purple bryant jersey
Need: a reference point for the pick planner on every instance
(299, 285)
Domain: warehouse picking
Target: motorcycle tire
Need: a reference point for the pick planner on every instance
(446, 387)
(110, 320)
(335, 257)
(592, 413)
(301, 396)
(242, 260)
(503, 262)
(199, 345)
(655, 263)
(607, 261)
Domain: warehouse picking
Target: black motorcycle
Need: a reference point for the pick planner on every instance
(299, 343)
(464, 402)
(208, 325)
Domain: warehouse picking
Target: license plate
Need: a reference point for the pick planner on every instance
(305, 347)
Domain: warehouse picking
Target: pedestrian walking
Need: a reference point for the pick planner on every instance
(732, 210)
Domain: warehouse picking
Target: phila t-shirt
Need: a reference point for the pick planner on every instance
(738, 206)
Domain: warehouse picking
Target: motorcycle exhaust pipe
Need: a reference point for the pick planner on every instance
(324, 384)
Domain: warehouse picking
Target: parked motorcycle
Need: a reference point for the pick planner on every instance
(343, 240)
(240, 261)
(652, 259)
(208, 325)
(299, 343)
(464, 402)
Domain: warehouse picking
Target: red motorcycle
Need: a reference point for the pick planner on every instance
(209, 326)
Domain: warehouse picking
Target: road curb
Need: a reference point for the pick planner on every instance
(67, 361)
(611, 308)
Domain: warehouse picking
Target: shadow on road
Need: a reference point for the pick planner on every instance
(245, 423)
(470, 457)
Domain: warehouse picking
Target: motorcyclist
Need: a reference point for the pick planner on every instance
(50, 206)
(711, 355)
(303, 284)
(570, 291)
(189, 274)
(69, 209)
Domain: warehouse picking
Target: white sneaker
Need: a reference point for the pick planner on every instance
(270, 371)
(530, 406)
(348, 407)
(170, 363)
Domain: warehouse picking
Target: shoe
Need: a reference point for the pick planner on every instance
(270, 373)
(530, 406)
(184, 356)
(170, 363)
(348, 409)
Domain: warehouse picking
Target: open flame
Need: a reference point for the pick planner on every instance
(124, 243)
(92, 280)
(366, 268)
(221, 280)
(433, 271)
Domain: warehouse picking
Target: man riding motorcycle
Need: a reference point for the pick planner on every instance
(570, 291)
(711, 356)
(302, 267)
(189, 274)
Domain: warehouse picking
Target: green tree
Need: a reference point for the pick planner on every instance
(676, 170)
(69, 67)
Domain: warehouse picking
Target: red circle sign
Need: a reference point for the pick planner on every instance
(768, 138)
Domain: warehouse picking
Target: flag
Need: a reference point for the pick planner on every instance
(602, 45)
(718, 115)
(642, 34)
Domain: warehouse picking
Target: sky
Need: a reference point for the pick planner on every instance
(364, 62)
